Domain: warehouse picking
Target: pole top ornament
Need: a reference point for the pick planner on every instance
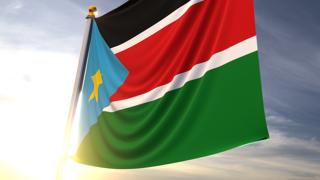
(92, 11)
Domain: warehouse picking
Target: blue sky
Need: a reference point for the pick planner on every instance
(39, 47)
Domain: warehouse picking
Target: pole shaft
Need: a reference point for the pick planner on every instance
(75, 96)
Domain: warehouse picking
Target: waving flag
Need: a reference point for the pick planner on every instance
(180, 81)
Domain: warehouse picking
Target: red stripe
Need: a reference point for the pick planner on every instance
(206, 28)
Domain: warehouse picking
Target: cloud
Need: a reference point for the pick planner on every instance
(44, 25)
(13, 7)
(288, 42)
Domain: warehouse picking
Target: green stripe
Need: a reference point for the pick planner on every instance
(222, 110)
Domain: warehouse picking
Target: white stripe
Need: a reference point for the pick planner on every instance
(156, 27)
(217, 60)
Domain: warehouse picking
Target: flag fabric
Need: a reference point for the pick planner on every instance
(104, 74)
(180, 81)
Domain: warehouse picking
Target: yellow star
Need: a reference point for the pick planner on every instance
(97, 81)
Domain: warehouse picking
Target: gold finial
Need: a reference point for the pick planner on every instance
(92, 11)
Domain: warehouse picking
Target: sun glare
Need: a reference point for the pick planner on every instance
(34, 102)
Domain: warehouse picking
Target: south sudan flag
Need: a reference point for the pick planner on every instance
(180, 81)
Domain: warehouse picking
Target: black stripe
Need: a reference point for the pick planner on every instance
(133, 17)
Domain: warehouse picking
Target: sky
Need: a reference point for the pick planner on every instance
(40, 43)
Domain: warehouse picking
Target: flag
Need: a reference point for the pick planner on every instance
(180, 81)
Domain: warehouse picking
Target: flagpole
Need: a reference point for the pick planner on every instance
(76, 90)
